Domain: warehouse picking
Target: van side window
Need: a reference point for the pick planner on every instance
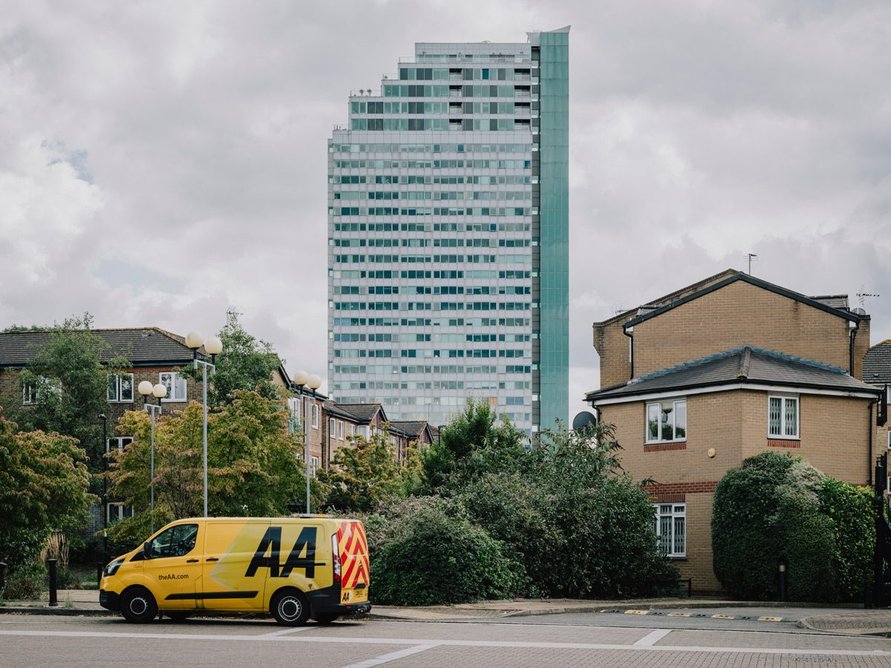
(175, 542)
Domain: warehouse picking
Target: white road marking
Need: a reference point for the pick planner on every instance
(414, 642)
(284, 632)
(392, 656)
(652, 638)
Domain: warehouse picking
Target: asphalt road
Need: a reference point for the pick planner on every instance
(555, 640)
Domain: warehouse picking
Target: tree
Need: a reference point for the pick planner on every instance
(469, 446)
(246, 363)
(70, 383)
(44, 486)
(253, 467)
(363, 475)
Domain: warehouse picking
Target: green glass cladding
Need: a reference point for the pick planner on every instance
(554, 228)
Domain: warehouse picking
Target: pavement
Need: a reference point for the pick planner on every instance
(841, 620)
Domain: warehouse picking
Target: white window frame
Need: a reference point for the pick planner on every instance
(314, 464)
(676, 405)
(115, 511)
(31, 389)
(120, 442)
(29, 393)
(784, 432)
(671, 535)
(118, 394)
(177, 380)
(315, 416)
(889, 439)
(340, 429)
(332, 428)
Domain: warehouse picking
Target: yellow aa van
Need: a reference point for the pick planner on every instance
(294, 568)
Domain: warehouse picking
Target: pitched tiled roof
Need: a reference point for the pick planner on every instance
(359, 413)
(826, 304)
(411, 428)
(141, 346)
(739, 365)
(877, 364)
(671, 296)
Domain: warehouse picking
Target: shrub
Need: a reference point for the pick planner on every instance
(775, 508)
(27, 582)
(435, 557)
(849, 509)
(609, 544)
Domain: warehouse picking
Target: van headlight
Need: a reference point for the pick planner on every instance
(113, 567)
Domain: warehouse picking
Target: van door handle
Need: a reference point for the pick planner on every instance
(191, 561)
(212, 559)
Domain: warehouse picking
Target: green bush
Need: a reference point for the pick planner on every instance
(775, 508)
(850, 510)
(520, 515)
(27, 582)
(436, 557)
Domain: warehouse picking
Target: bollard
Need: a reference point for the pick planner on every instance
(782, 582)
(53, 594)
(2, 575)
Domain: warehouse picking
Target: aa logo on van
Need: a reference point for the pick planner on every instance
(268, 554)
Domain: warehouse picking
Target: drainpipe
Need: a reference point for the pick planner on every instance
(852, 335)
(629, 332)
(869, 431)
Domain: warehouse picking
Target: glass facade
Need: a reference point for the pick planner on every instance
(448, 235)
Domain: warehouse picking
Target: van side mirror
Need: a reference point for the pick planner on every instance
(147, 549)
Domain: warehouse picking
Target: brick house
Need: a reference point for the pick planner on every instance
(877, 372)
(153, 354)
(711, 374)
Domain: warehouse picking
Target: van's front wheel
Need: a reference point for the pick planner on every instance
(290, 607)
(138, 605)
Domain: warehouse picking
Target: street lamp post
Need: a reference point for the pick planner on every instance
(213, 346)
(158, 391)
(104, 455)
(301, 379)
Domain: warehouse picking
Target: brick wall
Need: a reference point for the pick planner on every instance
(833, 437)
(612, 345)
(741, 314)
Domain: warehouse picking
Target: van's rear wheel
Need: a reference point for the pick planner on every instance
(290, 607)
(138, 605)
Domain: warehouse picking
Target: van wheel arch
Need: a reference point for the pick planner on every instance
(289, 606)
(138, 605)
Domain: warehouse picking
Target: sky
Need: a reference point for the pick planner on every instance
(162, 162)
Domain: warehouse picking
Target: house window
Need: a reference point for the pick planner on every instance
(340, 429)
(782, 417)
(889, 439)
(116, 511)
(118, 442)
(667, 421)
(120, 387)
(671, 528)
(314, 463)
(332, 428)
(315, 416)
(29, 392)
(175, 384)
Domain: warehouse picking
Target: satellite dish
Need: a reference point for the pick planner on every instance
(583, 420)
